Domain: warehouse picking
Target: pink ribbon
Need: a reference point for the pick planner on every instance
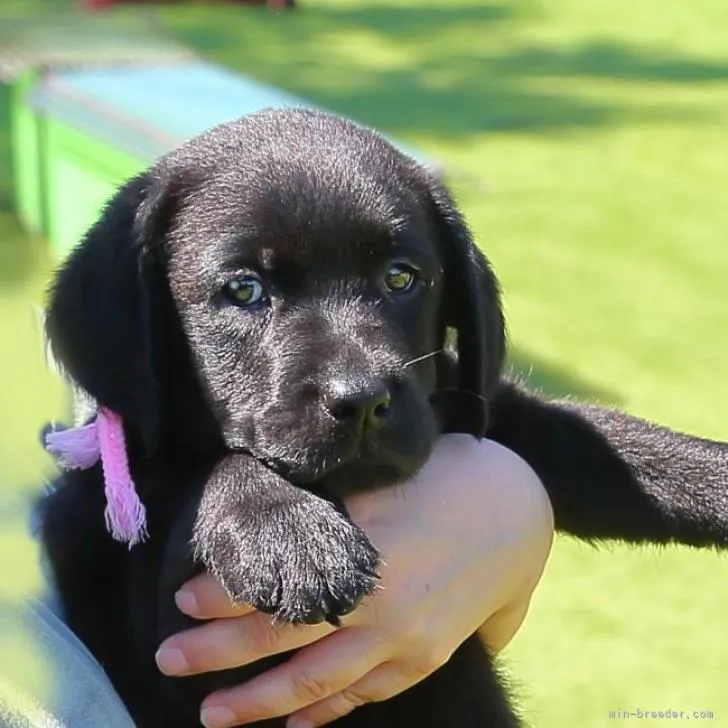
(82, 447)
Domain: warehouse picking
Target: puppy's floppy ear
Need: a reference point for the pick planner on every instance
(472, 307)
(103, 318)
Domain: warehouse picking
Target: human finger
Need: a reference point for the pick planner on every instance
(223, 644)
(203, 597)
(327, 667)
(382, 683)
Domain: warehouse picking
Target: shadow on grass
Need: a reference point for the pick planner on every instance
(606, 59)
(432, 69)
(554, 382)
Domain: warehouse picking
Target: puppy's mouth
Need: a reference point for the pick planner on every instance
(357, 476)
(343, 476)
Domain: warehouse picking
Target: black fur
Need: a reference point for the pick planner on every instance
(246, 427)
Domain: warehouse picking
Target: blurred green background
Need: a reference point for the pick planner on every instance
(588, 146)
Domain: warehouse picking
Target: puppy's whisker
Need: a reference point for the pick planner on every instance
(422, 358)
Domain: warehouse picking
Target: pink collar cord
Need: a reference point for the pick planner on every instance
(82, 447)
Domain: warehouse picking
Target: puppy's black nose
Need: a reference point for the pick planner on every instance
(358, 404)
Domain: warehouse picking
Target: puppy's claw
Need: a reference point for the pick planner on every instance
(314, 617)
(347, 608)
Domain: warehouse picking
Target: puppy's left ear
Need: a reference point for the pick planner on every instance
(103, 317)
(472, 308)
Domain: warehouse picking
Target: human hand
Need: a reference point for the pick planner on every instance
(464, 545)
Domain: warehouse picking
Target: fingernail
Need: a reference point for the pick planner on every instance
(171, 661)
(186, 602)
(299, 723)
(217, 717)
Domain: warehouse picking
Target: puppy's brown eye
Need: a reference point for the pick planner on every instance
(244, 290)
(400, 278)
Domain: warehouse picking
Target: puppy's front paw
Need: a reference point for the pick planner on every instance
(298, 559)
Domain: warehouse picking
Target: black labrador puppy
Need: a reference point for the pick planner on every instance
(284, 310)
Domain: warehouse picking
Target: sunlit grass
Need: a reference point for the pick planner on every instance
(587, 144)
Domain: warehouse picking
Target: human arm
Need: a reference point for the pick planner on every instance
(464, 545)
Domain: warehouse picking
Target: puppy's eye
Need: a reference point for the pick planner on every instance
(245, 290)
(400, 278)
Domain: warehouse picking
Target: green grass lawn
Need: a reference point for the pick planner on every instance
(588, 143)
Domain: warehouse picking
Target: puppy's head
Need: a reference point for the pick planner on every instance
(285, 284)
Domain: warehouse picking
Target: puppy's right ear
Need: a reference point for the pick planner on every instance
(106, 303)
